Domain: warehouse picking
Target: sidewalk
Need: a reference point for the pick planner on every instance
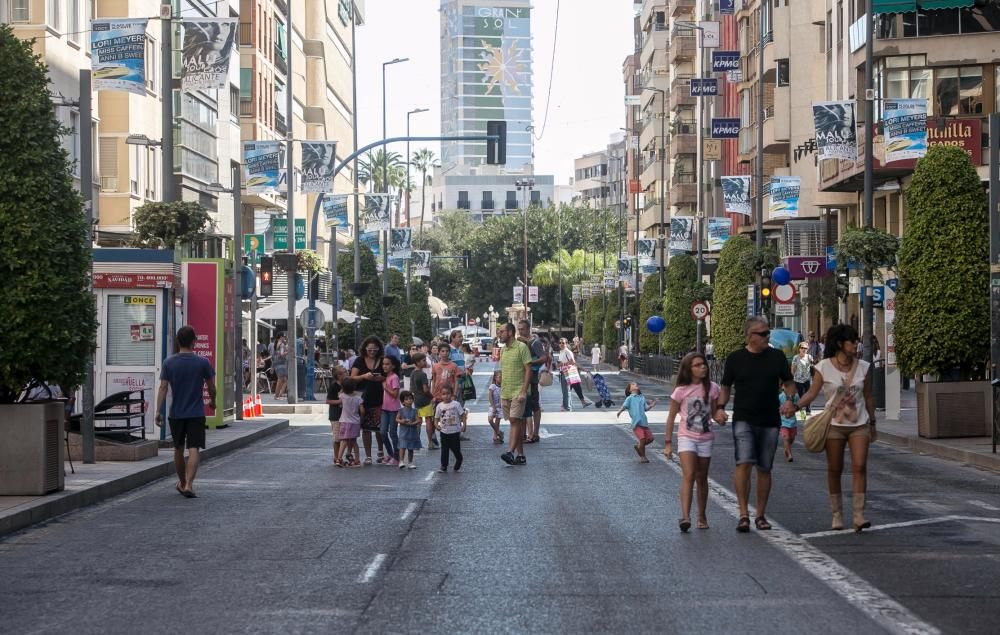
(100, 481)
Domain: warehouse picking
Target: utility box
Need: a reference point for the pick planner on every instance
(31, 454)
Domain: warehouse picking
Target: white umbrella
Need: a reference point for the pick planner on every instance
(279, 311)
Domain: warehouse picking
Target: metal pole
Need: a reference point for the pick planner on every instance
(334, 345)
(621, 214)
(385, 185)
(524, 281)
(559, 261)
(701, 182)
(293, 361)
(354, 132)
(994, 270)
(868, 309)
(167, 110)
(237, 299)
(662, 151)
(759, 171)
(87, 193)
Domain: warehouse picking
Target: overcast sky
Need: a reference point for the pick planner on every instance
(587, 107)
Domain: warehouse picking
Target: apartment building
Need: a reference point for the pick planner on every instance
(653, 79)
(590, 180)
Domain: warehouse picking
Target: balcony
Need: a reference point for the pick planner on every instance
(683, 144)
(684, 189)
(682, 47)
(651, 173)
(279, 60)
(680, 93)
(681, 7)
(649, 133)
(656, 39)
(747, 142)
(279, 124)
(246, 108)
(649, 220)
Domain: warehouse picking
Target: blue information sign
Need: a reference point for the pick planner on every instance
(725, 61)
(725, 128)
(704, 87)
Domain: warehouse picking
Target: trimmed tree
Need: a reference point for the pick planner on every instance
(164, 225)
(650, 304)
(729, 309)
(942, 305)
(48, 316)
(371, 301)
(681, 289)
(593, 316)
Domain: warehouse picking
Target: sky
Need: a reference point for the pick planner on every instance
(587, 98)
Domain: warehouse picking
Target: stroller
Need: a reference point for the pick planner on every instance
(602, 390)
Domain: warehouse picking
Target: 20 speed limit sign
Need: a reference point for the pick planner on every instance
(700, 309)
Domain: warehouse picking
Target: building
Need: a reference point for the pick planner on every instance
(590, 180)
(484, 196)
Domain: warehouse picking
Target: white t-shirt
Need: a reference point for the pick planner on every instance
(565, 356)
(595, 355)
(852, 412)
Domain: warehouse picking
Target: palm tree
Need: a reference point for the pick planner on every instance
(571, 268)
(370, 169)
(424, 160)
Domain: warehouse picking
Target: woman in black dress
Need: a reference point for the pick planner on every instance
(367, 371)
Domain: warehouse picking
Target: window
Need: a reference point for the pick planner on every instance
(151, 173)
(487, 200)
(128, 318)
(109, 163)
(74, 31)
(840, 21)
(511, 200)
(536, 197)
(996, 82)
(463, 199)
(958, 91)
(981, 19)
(151, 67)
(234, 100)
(54, 14)
(15, 11)
(783, 78)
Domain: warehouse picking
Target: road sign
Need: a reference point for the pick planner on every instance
(784, 309)
(280, 226)
(253, 246)
(311, 318)
(700, 309)
(892, 283)
(471, 322)
(784, 293)
(532, 294)
(518, 294)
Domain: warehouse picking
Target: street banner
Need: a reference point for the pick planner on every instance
(736, 194)
(319, 159)
(836, 134)
(335, 210)
(208, 46)
(624, 270)
(118, 54)
(707, 86)
(371, 241)
(398, 264)
(261, 165)
(723, 61)
(784, 196)
(400, 242)
(376, 213)
(725, 128)
(647, 251)
(709, 34)
(518, 295)
(681, 234)
(718, 232)
(577, 292)
(420, 263)
(532, 294)
(905, 123)
(585, 291)
(727, 7)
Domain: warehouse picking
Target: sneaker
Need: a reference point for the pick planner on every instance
(392, 462)
(412, 466)
(402, 466)
(521, 460)
(588, 403)
(458, 466)
(508, 458)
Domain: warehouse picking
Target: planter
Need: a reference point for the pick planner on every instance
(954, 409)
(31, 451)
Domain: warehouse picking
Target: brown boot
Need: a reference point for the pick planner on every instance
(837, 506)
(858, 503)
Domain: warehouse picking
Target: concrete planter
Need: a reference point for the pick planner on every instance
(954, 409)
(31, 449)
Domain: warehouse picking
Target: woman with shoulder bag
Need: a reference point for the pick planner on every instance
(847, 389)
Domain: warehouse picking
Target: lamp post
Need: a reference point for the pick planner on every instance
(525, 186)
(385, 179)
(408, 113)
(868, 308)
(491, 316)
(662, 157)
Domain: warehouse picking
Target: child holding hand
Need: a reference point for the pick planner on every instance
(637, 407)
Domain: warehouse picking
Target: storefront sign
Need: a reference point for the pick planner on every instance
(725, 61)
(120, 382)
(725, 127)
(134, 281)
(802, 267)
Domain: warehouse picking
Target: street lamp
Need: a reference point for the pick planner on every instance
(662, 151)
(525, 186)
(385, 178)
(141, 140)
(408, 162)
(491, 317)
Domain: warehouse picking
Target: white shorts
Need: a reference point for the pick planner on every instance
(702, 448)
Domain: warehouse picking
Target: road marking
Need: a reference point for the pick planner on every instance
(983, 505)
(544, 434)
(412, 507)
(372, 569)
(878, 606)
(429, 476)
(908, 523)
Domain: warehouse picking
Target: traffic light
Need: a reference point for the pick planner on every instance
(466, 259)
(313, 286)
(496, 151)
(266, 276)
(627, 323)
(765, 291)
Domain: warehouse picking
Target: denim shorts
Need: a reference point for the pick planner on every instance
(755, 444)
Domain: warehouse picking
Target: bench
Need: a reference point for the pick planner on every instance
(123, 411)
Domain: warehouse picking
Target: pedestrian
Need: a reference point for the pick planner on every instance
(333, 401)
(539, 358)
(814, 347)
(392, 348)
(279, 360)
(409, 430)
(466, 385)
(709, 349)
(496, 411)
(569, 375)
(623, 357)
(390, 408)
(595, 355)
(352, 409)
(789, 427)
(457, 356)
(300, 368)
(515, 375)
(186, 375)
(693, 404)
(367, 372)
(449, 419)
(755, 372)
(407, 366)
(846, 385)
(423, 399)
(802, 371)
(445, 374)
(635, 403)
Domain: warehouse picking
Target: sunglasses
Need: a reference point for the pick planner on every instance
(762, 333)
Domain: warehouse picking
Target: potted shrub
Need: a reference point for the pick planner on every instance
(942, 326)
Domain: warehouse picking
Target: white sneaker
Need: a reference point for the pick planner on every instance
(412, 466)
(402, 465)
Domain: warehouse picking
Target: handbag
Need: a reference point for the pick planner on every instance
(545, 377)
(572, 374)
(468, 389)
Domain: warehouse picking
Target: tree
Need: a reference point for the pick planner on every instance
(650, 303)
(424, 160)
(420, 313)
(48, 316)
(165, 225)
(448, 238)
(682, 288)
(729, 310)
(371, 167)
(593, 319)
(942, 305)
(371, 301)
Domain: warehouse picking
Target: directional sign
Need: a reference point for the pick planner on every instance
(253, 246)
(700, 309)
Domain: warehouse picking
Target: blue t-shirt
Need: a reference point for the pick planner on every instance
(457, 355)
(393, 351)
(186, 373)
(787, 422)
(636, 406)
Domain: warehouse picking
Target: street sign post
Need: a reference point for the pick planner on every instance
(311, 318)
(700, 309)
(253, 247)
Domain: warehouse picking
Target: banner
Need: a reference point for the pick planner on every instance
(727, 7)
(736, 194)
(725, 128)
(784, 196)
(261, 165)
(118, 54)
(718, 231)
(625, 271)
(371, 241)
(319, 159)
(335, 210)
(905, 123)
(725, 61)
(399, 264)
(420, 263)
(400, 242)
(836, 134)
(647, 251)
(681, 234)
(208, 45)
(376, 213)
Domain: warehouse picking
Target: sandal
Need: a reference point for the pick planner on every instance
(685, 524)
(744, 525)
(702, 523)
(761, 523)
(338, 463)
(368, 461)
(381, 457)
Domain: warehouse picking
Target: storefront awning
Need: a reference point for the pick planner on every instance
(945, 4)
(909, 6)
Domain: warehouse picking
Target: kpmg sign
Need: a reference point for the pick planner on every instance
(727, 7)
(725, 128)
(725, 61)
(704, 87)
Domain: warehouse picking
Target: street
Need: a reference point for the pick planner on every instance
(582, 539)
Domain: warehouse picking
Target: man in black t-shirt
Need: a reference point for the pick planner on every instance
(756, 371)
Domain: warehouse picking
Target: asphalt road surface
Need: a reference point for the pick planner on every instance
(581, 539)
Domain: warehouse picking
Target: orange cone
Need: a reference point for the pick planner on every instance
(247, 408)
(258, 409)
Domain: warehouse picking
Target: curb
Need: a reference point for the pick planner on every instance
(64, 503)
(986, 461)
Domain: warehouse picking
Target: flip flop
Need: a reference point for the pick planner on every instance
(180, 490)
(702, 524)
(189, 494)
(684, 524)
(744, 525)
(761, 523)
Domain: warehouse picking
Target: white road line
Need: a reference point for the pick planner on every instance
(412, 507)
(878, 606)
(908, 523)
(983, 505)
(429, 476)
(372, 569)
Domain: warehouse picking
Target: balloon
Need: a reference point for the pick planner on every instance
(780, 275)
(655, 324)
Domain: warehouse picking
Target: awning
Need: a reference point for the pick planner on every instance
(909, 6)
(945, 4)
(279, 311)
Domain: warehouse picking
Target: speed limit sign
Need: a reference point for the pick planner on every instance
(700, 309)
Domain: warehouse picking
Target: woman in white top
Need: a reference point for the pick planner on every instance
(564, 359)
(847, 389)
(595, 355)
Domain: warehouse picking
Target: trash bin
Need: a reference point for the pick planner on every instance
(878, 386)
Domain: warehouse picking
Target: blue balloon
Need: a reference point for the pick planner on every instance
(655, 324)
(780, 275)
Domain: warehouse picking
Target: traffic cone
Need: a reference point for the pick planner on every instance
(249, 408)
(246, 411)
(258, 408)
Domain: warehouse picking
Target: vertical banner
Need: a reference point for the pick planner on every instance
(203, 308)
(335, 210)
(319, 159)
(376, 213)
(718, 231)
(681, 234)
(836, 133)
(905, 123)
(709, 34)
(420, 263)
(118, 54)
(371, 241)
(208, 46)
(784, 196)
(647, 251)
(736, 194)
(261, 165)
(400, 243)
(518, 295)
(577, 293)
(625, 273)
(609, 278)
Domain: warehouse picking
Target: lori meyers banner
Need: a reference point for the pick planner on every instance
(905, 123)
(784, 196)
(319, 159)
(208, 46)
(718, 232)
(836, 134)
(261, 165)
(118, 50)
(736, 194)
(375, 215)
(371, 241)
(400, 243)
(335, 210)
(420, 263)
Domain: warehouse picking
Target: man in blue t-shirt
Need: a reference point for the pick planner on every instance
(186, 374)
(392, 348)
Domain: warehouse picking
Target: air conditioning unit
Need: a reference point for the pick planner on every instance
(31, 455)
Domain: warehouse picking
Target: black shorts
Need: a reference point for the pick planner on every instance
(189, 431)
(532, 404)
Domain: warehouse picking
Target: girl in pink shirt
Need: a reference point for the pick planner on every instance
(390, 407)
